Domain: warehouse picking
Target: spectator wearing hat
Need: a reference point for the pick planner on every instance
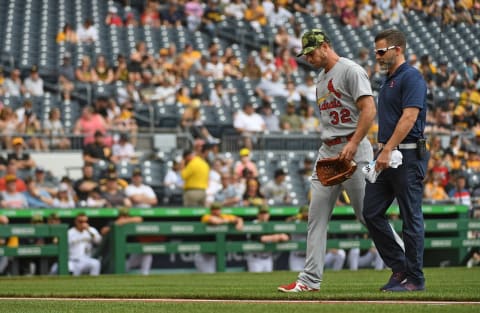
(123, 150)
(84, 185)
(11, 197)
(97, 150)
(135, 260)
(34, 83)
(114, 196)
(37, 197)
(291, 120)
(248, 124)
(22, 159)
(44, 181)
(112, 18)
(296, 259)
(63, 199)
(245, 162)
(112, 171)
(140, 195)
(263, 261)
(275, 190)
(460, 194)
(11, 171)
(206, 262)
(195, 174)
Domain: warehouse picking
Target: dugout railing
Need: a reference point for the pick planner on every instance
(57, 249)
(221, 245)
(446, 232)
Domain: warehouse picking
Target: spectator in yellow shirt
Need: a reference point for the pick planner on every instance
(195, 175)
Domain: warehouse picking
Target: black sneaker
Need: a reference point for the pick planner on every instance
(395, 280)
(407, 286)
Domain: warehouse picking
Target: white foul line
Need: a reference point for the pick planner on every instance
(173, 300)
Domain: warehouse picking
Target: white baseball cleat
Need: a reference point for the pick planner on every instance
(296, 287)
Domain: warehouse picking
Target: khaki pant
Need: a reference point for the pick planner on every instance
(194, 197)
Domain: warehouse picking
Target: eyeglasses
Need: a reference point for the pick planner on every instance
(381, 52)
(82, 221)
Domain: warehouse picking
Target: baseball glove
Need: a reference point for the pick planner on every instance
(333, 171)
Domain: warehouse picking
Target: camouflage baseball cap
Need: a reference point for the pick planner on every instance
(311, 40)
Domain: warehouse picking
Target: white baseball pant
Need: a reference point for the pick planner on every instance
(144, 261)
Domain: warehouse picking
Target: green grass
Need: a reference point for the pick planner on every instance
(453, 284)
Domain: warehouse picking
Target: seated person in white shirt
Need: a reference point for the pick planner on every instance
(248, 123)
(141, 195)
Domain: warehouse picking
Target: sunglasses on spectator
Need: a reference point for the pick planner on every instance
(381, 52)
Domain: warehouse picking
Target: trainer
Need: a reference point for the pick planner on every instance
(401, 120)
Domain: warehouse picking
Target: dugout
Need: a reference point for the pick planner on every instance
(446, 231)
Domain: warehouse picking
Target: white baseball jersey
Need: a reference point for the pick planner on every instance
(80, 242)
(337, 101)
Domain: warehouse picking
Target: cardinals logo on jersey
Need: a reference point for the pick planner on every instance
(333, 90)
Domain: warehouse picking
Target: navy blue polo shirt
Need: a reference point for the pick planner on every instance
(405, 88)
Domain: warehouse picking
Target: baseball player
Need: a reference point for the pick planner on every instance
(296, 259)
(207, 262)
(335, 258)
(370, 259)
(263, 261)
(347, 110)
(81, 239)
